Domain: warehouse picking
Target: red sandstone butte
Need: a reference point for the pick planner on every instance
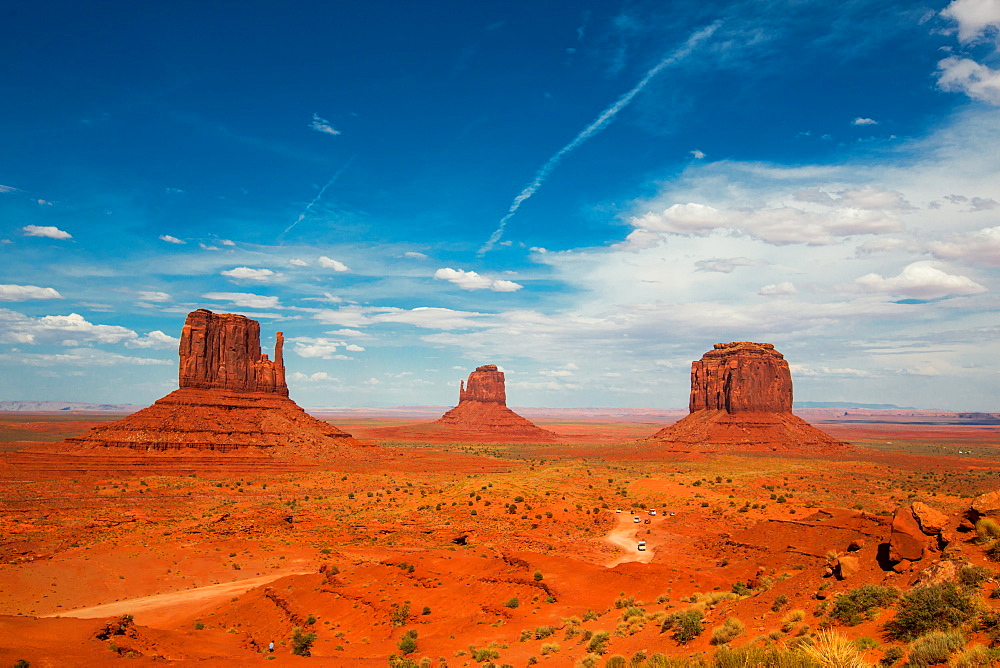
(741, 399)
(231, 397)
(482, 410)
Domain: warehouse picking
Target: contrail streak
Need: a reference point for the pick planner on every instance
(316, 199)
(596, 126)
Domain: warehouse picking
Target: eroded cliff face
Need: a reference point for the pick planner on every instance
(231, 398)
(221, 351)
(741, 377)
(486, 384)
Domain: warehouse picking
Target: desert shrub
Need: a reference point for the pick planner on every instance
(987, 529)
(589, 615)
(538, 576)
(975, 656)
(616, 661)
(21, 663)
(302, 642)
(686, 625)
(930, 608)
(780, 601)
(549, 648)
(852, 607)
(599, 642)
(741, 589)
(892, 655)
(865, 643)
(993, 551)
(633, 611)
(756, 656)
(486, 654)
(974, 576)
(512, 602)
(408, 643)
(729, 630)
(624, 602)
(400, 614)
(934, 647)
(833, 650)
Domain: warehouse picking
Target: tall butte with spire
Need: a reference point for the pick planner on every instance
(482, 411)
(741, 399)
(231, 397)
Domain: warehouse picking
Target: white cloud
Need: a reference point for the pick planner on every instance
(17, 293)
(318, 377)
(802, 370)
(9, 189)
(782, 289)
(415, 255)
(320, 124)
(962, 75)
(59, 329)
(727, 265)
(298, 263)
(329, 263)
(921, 280)
(250, 274)
(885, 245)
(244, 299)
(470, 280)
(980, 247)
(431, 318)
(975, 18)
(155, 339)
(353, 348)
(153, 296)
(45, 231)
(864, 121)
(171, 239)
(80, 357)
(227, 242)
(319, 348)
(698, 155)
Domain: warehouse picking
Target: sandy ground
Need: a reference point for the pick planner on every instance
(159, 610)
(623, 535)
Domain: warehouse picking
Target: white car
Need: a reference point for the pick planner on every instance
(636, 520)
(672, 514)
(652, 511)
(641, 546)
(618, 510)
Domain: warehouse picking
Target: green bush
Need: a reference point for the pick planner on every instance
(599, 642)
(934, 647)
(729, 630)
(852, 608)
(930, 608)
(302, 642)
(976, 656)
(512, 602)
(408, 643)
(549, 648)
(538, 576)
(974, 576)
(755, 655)
(686, 625)
(892, 655)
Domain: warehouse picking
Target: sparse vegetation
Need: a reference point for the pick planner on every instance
(930, 608)
(854, 607)
(302, 642)
(731, 629)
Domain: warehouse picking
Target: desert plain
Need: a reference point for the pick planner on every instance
(504, 553)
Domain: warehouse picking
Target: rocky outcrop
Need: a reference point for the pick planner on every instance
(221, 351)
(231, 398)
(917, 531)
(741, 400)
(985, 505)
(741, 377)
(482, 411)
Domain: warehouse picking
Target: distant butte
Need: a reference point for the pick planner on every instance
(482, 410)
(741, 400)
(231, 397)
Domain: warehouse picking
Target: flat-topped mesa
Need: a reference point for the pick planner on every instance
(486, 384)
(221, 351)
(741, 377)
(741, 400)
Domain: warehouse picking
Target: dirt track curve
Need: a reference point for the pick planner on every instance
(624, 536)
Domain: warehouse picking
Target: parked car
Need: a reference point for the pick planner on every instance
(641, 546)
(636, 520)
(652, 511)
(618, 510)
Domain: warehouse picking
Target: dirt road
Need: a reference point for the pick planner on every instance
(159, 609)
(624, 536)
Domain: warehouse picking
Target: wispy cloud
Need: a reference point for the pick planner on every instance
(320, 124)
(9, 189)
(596, 126)
(171, 239)
(45, 231)
(18, 293)
(250, 274)
(470, 280)
(330, 263)
(244, 299)
(864, 121)
(316, 199)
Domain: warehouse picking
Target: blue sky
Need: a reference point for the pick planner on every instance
(587, 194)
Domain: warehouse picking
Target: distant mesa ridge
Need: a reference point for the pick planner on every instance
(482, 409)
(231, 397)
(741, 399)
